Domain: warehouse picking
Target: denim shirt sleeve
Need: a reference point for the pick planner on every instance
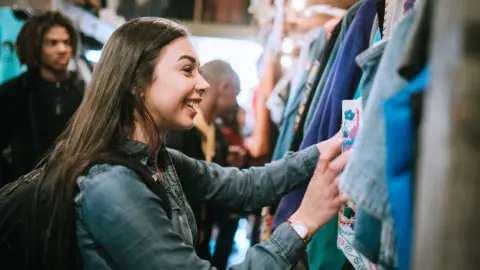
(126, 221)
(243, 190)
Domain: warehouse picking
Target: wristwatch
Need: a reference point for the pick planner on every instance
(301, 229)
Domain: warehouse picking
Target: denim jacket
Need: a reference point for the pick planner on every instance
(121, 225)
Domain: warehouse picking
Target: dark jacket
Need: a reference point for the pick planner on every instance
(33, 113)
(189, 142)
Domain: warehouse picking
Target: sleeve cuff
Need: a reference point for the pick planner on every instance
(310, 157)
(290, 246)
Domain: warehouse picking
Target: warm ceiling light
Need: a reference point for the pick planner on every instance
(287, 45)
(298, 5)
(286, 61)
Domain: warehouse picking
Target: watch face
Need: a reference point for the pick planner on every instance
(301, 229)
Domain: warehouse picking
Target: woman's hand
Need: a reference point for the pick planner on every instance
(322, 198)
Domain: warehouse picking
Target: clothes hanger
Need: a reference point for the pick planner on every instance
(22, 9)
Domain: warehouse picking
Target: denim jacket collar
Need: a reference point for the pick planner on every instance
(142, 151)
(168, 178)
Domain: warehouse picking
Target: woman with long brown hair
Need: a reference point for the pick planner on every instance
(147, 82)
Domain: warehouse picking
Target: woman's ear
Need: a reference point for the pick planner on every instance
(135, 91)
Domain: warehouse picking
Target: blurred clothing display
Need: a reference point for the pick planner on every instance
(9, 27)
(220, 11)
(130, 9)
(377, 51)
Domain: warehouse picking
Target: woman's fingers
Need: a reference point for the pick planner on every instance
(332, 151)
(336, 166)
(341, 199)
(327, 154)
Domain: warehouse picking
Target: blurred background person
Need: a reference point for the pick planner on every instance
(231, 126)
(35, 107)
(207, 142)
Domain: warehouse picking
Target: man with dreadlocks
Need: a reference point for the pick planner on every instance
(35, 107)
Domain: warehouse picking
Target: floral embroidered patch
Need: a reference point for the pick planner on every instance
(351, 111)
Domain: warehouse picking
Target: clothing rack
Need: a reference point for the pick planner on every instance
(87, 23)
(30, 6)
(441, 178)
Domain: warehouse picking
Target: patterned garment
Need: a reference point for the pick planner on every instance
(306, 93)
(266, 230)
(409, 4)
(351, 112)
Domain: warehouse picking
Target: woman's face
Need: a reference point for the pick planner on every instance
(177, 87)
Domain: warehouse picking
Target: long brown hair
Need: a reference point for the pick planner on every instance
(104, 119)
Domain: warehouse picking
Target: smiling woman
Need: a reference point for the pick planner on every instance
(146, 82)
(171, 102)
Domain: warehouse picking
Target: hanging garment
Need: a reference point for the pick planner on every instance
(399, 140)
(367, 227)
(351, 119)
(364, 176)
(407, 105)
(305, 59)
(345, 24)
(380, 19)
(341, 85)
(287, 129)
(309, 89)
(343, 80)
(408, 5)
(416, 51)
(258, 145)
(276, 101)
(9, 28)
(368, 62)
(394, 12)
(367, 235)
(290, 202)
(416, 106)
(332, 24)
(375, 30)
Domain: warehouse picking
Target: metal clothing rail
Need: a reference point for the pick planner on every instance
(40, 5)
(87, 23)
(92, 26)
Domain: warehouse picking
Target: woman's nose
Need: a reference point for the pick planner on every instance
(202, 84)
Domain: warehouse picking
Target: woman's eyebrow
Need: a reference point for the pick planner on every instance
(188, 57)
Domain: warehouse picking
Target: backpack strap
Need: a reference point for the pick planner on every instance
(120, 158)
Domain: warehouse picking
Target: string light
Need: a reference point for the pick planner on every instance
(286, 61)
(298, 5)
(287, 45)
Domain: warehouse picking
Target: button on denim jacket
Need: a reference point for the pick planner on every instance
(121, 224)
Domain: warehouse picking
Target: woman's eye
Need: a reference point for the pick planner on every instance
(188, 70)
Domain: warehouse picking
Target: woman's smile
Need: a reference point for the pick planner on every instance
(192, 105)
